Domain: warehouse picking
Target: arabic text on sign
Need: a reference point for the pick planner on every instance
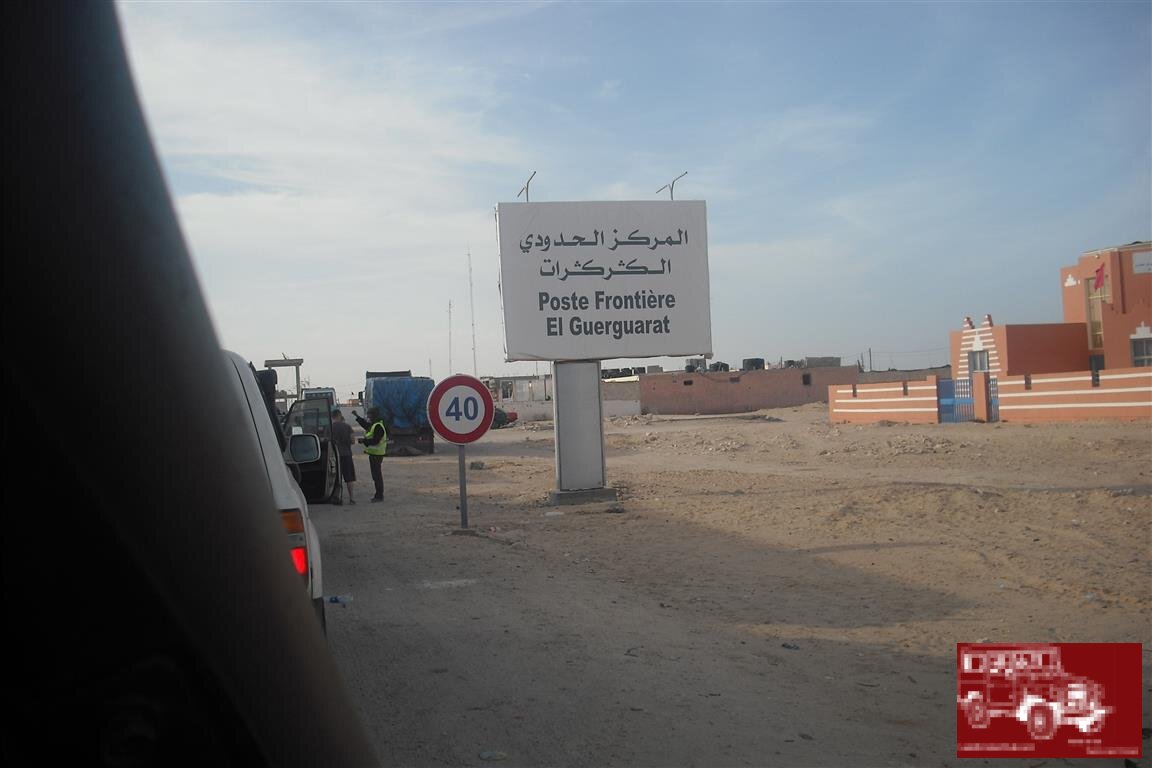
(651, 242)
(549, 268)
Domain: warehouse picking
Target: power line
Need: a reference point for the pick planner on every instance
(911, 351)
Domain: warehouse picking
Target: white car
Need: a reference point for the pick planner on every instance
(304, 544)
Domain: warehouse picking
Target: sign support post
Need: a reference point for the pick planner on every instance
(463, 490)
(578, 415)
(460, 410)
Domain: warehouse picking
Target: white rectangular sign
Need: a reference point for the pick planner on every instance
(594, 281)
(1141, 262)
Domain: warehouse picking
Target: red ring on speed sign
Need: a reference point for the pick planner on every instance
(481, 423)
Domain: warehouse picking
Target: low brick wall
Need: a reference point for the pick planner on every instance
(1121, 395)
(620, 390)
(914, 402)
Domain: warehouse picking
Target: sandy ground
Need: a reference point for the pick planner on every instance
(770, 590)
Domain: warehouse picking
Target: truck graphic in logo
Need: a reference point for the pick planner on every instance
(1029, 684)
(1049, 700)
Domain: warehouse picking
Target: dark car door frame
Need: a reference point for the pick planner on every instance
(320, 479)
(159, 618)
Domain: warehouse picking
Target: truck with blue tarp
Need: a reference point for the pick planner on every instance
(403, 403)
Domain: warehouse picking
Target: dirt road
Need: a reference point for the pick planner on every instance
(771, 589)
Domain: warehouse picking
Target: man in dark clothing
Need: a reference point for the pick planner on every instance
(342, 439)
(375, 443)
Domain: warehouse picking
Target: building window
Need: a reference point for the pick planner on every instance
(1096, 298)
(978, 361)
(1142, 353)
(806, 378)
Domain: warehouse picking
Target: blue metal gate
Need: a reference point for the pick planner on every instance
(993, 400)
(955, 400)
(945, 400)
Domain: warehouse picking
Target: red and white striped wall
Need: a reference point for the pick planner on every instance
(1123, 394)
(910, 401)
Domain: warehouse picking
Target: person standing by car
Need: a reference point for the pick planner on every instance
(375, 443)
(342, 440)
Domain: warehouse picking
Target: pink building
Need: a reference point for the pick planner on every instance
(1096, 364)
(1109, 291)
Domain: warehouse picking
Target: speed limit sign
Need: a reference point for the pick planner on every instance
(460, 409)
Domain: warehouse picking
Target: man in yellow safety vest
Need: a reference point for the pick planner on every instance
(375, 442)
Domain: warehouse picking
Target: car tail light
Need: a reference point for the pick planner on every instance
(293, 521)
(300, 560)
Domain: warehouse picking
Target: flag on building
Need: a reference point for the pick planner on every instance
(1099, 283)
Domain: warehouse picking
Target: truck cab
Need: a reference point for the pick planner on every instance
(309, 393)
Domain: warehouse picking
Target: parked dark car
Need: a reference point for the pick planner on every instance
(502, 418)
(319, 479)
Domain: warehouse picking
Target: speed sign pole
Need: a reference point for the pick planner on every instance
(461, 410)
(463, 488)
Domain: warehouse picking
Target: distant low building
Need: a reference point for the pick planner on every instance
(531, 396)
(519, 389)
(708, 392)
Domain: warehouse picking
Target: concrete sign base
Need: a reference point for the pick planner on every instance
(587, 496)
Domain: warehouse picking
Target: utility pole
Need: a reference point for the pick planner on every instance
(449, 337)
(472, 305)
(870, 359)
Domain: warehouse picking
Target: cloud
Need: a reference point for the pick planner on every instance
(292, 118)
(704, 181)
(816, 130)
(610, 89)
(919, 209)
(800, 260)
(313, 235)
(349, 191)
(422, 20)
(621, 190)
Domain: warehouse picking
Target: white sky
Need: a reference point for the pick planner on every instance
(873, 172)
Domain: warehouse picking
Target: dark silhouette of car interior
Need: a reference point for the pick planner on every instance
(156, 617)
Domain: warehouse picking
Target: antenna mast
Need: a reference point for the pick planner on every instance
(672, 186)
